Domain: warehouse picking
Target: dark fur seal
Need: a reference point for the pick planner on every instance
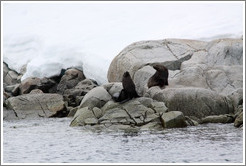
(160, 78)
(129, 91)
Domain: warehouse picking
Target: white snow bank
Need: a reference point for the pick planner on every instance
(51, 36)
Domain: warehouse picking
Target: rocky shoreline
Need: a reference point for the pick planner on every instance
(205, 86)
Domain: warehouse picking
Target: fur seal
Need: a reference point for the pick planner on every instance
(129, 91)
(160, 78)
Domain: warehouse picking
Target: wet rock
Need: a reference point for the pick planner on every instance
(218, 119)
(191, 121)
(239, 120)
(9, 114)
(238, 110)
(238, 116)
(173, 119)
(37, 105)
(81, 116)
(236, 98)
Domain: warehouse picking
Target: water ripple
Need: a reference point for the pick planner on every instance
(53, 141)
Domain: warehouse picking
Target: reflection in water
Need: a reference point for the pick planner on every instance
(53, 141)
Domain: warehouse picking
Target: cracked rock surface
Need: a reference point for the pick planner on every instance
(215, 65)
(205, 78)
(99, 111)
(28, 106)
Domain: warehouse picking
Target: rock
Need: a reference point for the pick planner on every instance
(29, 84)
(75, 95)
(226, 52)
(193, 101)
(5, 70)
(97, 97)
(186, 77)
(9, 88)
(46, 84)
(173, 119)
(236, 97)
(238, 110)
(139, 114)
(5, 97)
(141, 78)
(72, 112)
(239, 116)
(81, 115)
(218, 119)
(143, 113)
(204, 81)
(239, 120)
(10, 77)
(114, 116)
(225, 79)
(215, 65)
(12, 89)
(169, 51)
(190, 121)
(9, 114)
(16, 90)
(114, 88)
(70, 79)
(35, 91)
(37, 105)
(159, 107)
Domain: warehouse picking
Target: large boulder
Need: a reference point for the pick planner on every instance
(205, 78)
(139, 54)
(37, 105)
(215, 65)
(196, 102)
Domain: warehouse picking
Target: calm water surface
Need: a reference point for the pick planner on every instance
(53, 141)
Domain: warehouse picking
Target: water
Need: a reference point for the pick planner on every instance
(53, 141)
